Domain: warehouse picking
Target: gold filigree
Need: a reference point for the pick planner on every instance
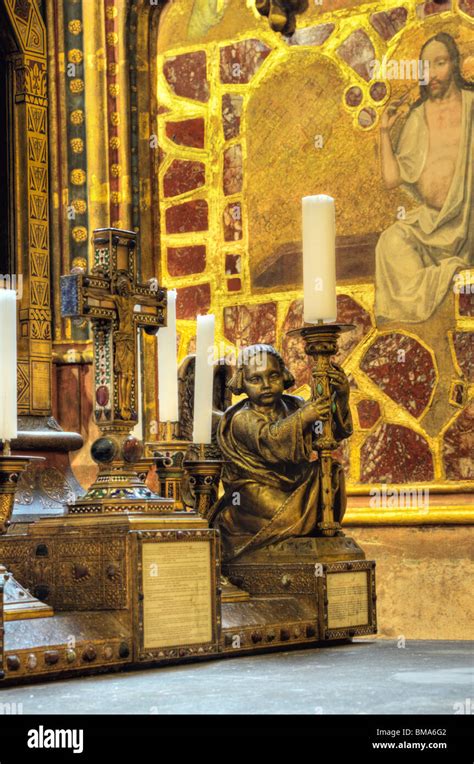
(79, 205)
(112, 38)
(77, 117)
(79, 233)
(77, 145)
(78, 177)
(75, 56)
(76, 85)
(75, 26)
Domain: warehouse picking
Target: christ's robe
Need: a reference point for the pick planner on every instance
(272, 484)
(417, 257)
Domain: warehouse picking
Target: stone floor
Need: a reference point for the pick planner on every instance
(366, 677)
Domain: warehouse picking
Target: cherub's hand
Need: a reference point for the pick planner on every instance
(316, 411)
(338, 380)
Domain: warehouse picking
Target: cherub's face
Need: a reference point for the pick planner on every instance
(263, 380)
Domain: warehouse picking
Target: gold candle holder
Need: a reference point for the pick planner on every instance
(18, 603)
(321, 342)
(204, 475)
(168, 453)
(10, 469)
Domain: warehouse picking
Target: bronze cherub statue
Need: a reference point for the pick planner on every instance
(271, 475)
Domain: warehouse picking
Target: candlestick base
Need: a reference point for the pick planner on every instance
(119, 487)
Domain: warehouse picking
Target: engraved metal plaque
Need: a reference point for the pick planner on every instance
(177, 593)
(347, 599)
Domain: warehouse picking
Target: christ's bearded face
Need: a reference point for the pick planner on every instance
(440, 67)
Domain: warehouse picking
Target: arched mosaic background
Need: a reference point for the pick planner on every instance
(239, 107)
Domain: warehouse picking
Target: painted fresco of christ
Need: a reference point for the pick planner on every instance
(417, 257)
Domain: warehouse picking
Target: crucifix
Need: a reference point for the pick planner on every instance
(117, 304)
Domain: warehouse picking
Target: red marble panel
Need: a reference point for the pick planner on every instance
(161, 155)
(231, 114)
(378, 91)
(389, 23)
(342, 455)
(367, 117)
(354, 96)
(189, 216)
(395, 454)
(250, 324)
(403, 369)
(348, 312)
(188, 132)
(183, 175)
(293, 347)
(369, 413)
(234, 285)
(464, 349)
(466, 302)
(232, 219)
(458, 393)
(186, 75)
(182, 261)
(458, 446)
(193, 300)
(233, 171)
(429, 8)
(311, 35)
(357, 51)
(233, 265)
(467, 6)
(240, 61)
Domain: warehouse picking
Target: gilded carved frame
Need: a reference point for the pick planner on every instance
(30, 130)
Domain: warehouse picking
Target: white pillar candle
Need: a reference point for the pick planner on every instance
(204, 380)
(8, 402)
(137, 431)
(168, 365)
(319, 259)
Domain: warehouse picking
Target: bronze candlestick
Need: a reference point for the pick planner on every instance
(321, 343)
(10, 469)
(18, 603)
(204, 480)
(168, 455)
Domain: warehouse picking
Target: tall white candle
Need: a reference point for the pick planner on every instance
(204, 379)
(137, 431)
(319, 259)
(168, 365)
(8, 402)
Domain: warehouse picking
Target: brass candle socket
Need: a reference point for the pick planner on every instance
(169, 459)
(10, 469)
(321, 342)
(18, 603)
(204, 475)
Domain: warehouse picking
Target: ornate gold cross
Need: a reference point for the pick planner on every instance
(116, 304)
(111, 297)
